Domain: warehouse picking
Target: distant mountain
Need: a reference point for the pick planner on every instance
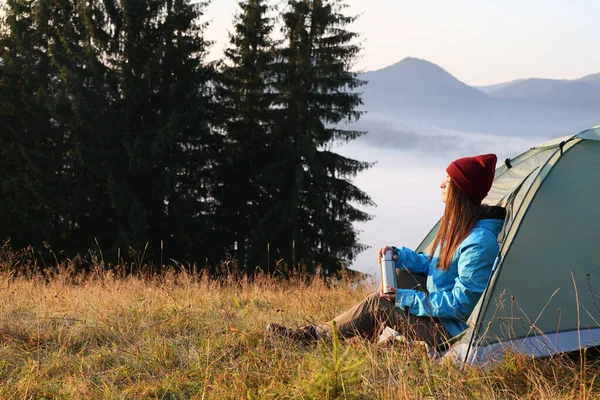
(591, 78)
(492, 88)
(418, 82)
(582, 92)
(415, 95)
(527, 88)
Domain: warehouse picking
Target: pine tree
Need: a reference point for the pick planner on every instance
(317, 198)
(35, 160)
(113, 100)
(247, 97)
(138, 87)
(90, 111)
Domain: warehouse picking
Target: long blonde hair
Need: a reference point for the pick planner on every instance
(460, 215)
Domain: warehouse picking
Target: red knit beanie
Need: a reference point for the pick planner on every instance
(473, 175)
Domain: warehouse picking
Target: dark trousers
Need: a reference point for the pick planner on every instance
(369, 317)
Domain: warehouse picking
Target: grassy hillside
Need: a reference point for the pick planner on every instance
(179, 335)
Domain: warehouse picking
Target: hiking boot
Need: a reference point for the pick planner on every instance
(303, 335)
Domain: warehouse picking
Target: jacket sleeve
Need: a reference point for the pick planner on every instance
(474, 267)
(411, 261)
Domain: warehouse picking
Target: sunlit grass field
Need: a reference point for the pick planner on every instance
(103, 335)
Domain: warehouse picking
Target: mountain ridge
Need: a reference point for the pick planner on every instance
(413, 82)
(419, 94)
(412, 71)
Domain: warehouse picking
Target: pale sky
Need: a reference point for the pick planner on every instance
(480, 42)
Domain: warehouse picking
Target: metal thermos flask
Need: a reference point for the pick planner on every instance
(388, 271)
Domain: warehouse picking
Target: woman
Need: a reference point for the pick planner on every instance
(457, 272)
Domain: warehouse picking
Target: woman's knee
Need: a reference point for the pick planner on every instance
(373, 299)
(376, 303)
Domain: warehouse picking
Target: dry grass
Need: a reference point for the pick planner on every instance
(188, 336)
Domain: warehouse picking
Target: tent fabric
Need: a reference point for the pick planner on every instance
(551, 253)
(543, 296)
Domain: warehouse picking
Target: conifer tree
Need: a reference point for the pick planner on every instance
(318, 202)
(113, 99)
(138, 87)
(35, 161)
(247, 97)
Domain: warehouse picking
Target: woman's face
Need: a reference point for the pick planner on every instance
(445, 187)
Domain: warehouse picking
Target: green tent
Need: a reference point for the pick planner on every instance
(543, 296)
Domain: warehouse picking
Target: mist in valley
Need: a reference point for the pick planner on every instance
(419, 118)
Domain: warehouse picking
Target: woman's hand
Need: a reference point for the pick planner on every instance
(382, 251)
(390, 296)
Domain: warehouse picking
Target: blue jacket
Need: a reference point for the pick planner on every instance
(453, 293)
